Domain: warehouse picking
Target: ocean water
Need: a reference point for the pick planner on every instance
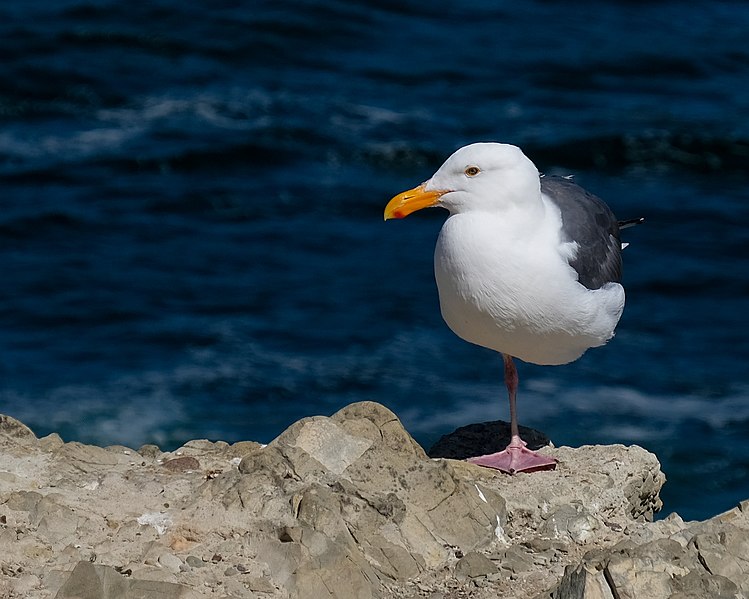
(191, 234)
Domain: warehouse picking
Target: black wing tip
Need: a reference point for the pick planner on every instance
(623, 224)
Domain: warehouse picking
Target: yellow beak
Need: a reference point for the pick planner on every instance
(412, 200)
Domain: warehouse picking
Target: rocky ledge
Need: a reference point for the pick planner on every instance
(347, 507)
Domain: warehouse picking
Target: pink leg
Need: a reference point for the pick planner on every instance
(515, 457)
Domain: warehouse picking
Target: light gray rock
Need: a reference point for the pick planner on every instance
(182, 464)
(15, 429)
(473, 565)
(24, 501)
(571, 523)
(724, 551)
(51, 442)
(53, 519)
(93, 581)
(194, 561)
(714, 562)
(25, 584)
(359, 486)
(347, 506)
(170, 561)
(87, 457)
(515, 559)
(149, 451)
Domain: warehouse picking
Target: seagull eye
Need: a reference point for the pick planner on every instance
(472, 171)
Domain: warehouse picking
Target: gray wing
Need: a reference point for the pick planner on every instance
(589, 222)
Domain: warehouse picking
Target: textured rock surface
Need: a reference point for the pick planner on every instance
(680, 560)
(348, 507)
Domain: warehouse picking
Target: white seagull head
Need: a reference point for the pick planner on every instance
(490, 177)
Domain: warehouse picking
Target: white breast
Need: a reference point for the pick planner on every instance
(511, 289)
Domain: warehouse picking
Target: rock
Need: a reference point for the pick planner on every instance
(404, 500)
(713, 563)
(51, 442)
(93, 581)
(260, 585)
(24, 501)
(473, 565)
(724, 552)
(587, 483)
(149, 451)
(242, 448)
(364, 495)
(570, 522)
(194, 561)
(25, 584)
(182, 464)
(14, 429)
(56, 522)
(483, 438)
(514, 559)
(87, 457)
(170, 561)
(347, 506)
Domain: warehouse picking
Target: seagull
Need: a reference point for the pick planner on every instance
(526, 265)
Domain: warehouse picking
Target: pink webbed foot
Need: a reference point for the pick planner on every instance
(515, 458)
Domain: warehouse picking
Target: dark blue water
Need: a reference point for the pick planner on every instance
(191, 232)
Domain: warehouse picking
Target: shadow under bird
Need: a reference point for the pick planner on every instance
(527, 265)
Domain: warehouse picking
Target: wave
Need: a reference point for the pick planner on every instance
(595, 414)
(651, 149)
